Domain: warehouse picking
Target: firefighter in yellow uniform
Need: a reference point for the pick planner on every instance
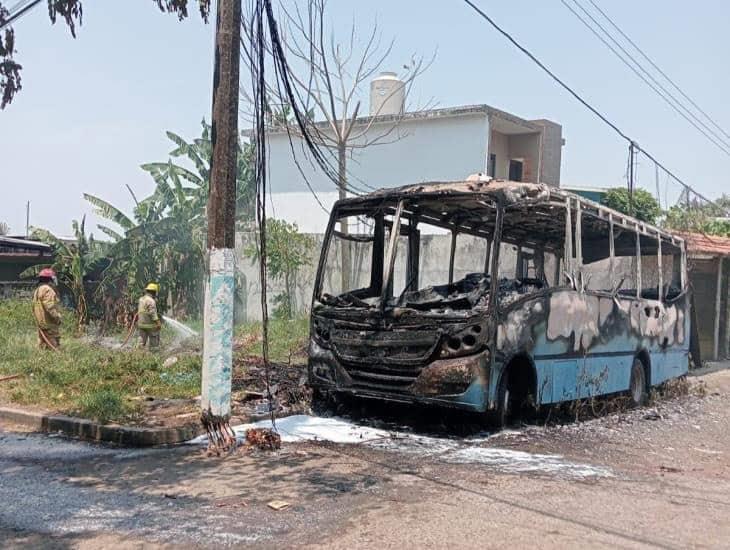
(47, 311)
(148, 320)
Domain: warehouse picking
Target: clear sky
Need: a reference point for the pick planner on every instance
(93, 109)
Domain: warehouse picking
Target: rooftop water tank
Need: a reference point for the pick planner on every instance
(387, 95)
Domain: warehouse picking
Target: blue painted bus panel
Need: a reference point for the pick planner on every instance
(568, 379)
(584, 344)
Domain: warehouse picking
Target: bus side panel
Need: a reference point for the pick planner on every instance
(670, 358)
(569, 379)
(545, 381)
(584, 344)
(668, 364)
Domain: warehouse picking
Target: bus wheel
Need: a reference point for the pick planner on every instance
(499, 417)
(637, 386)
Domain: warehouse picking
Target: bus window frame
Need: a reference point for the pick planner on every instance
(573, 248)
(577, 209)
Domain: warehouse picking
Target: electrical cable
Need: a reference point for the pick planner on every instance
(17, 12)
(294, 99)
(548, 71)
(580, 99)
(659, 70)
(656, 86)
(258, 66)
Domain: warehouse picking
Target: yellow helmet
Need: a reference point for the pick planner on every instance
(152, 287)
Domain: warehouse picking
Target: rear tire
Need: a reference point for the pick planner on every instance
(637, 384)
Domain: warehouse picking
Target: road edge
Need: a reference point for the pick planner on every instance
(89, 430)
(126, 436)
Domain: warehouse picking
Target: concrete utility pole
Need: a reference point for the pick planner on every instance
(219, 288)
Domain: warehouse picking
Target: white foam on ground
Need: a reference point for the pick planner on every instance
(518, 462)
(301, 427)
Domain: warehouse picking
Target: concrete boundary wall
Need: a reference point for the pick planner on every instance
(434, 269)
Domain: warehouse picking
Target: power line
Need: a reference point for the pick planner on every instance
(723, 145)
(17, 11)
(548, 71)
(675, 104)
(653, 64)
(579, 98)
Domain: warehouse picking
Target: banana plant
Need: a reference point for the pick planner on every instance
(74, 261)
(165, 238)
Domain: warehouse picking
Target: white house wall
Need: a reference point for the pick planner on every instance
(499, 146)
(449, 148)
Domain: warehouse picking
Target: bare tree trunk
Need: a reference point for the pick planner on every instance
(220, 283)
(289, 293)
(344, 229)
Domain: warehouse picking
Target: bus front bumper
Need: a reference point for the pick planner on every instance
(460, 383)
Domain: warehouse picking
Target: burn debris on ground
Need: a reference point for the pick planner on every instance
(264, 439)
(287, 383)
(675, 405)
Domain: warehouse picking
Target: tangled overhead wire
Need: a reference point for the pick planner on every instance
(257, 50)
(261, 33)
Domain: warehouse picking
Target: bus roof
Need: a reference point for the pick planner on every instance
(509, 194)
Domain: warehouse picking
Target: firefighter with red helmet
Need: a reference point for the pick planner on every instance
(47, 311)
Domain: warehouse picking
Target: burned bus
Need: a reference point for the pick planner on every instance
(537, 296)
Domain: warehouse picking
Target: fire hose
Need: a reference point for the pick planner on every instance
(45, 337)
(131, 329)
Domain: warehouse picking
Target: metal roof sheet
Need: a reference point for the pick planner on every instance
(24, 243)
(699, 243)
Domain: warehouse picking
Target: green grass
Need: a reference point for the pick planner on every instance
(104, 404)
(94, 382)
(287, 339)
(83, 378)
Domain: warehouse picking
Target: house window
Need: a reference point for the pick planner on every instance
(492, 166)
(515, 170)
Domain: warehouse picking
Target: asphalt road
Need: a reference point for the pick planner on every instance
(656, 477)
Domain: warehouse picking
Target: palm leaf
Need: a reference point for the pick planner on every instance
(47, 237)
(189, 176)
(184, 148)
(109, 211)
(109, 232)
(163, 192)
(180, 197)
(182, 145)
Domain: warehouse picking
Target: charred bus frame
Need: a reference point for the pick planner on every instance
(486, 343)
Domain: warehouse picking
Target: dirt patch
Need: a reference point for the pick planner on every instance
(165, 413)
(248, 399)
(668, 429)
